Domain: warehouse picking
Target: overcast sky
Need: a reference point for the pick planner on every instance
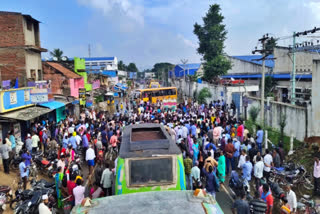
(150, 31)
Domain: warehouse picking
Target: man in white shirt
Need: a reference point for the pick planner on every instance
(195, 175)
(106, 181)
(43, 208)
(258, 171)
(292, 198)
(268, 162)
(35, 140)
(90, 156)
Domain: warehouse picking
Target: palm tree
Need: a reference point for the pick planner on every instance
(57, 53)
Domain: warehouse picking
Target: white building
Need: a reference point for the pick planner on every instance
(103, 63)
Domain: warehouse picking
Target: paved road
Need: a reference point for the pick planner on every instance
(224, 201)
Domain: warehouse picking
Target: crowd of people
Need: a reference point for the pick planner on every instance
(213, 141)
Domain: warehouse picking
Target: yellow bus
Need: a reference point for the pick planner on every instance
(168, 96)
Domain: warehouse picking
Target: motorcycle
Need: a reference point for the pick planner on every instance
(236, 184)
(7, 191)
(15, 161)
(3, 200)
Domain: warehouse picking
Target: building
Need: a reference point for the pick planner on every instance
(20, 48)
(279, 67)
(103, 63)
(182, 70)
(63, 81)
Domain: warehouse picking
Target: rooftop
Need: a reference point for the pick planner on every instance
(253, 59)
(18, 14)
(146, 140)
(65, 71)
(98, 58)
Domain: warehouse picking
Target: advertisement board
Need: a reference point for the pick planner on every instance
(82, 96)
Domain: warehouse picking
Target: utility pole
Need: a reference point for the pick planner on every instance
(293, 76)
(265, 54)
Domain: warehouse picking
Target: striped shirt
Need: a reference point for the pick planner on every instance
(258, 206)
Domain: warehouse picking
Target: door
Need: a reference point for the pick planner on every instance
(236, 100)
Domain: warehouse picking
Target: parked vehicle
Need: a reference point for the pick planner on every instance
(237, 186)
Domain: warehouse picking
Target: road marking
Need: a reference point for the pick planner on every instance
(225, 189)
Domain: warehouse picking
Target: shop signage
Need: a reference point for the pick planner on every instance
(96, 84)
(82, 96)
(39, 98)
(17, 131)
(14, 99)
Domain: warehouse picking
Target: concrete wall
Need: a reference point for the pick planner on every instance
(243, 67)
(283, 62)
(33, 62)
(315, 104)
(28, 34)
(297, 117)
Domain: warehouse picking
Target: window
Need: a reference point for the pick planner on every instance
(33, 74)
(151, 171)
(39, 75)
(29, 25)
(13, 98)
(26, 95)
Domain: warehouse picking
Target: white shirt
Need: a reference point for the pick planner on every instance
(78, 139)
(258, 169)
(90, 154)
(35, 139)
(185, 132)
(242, 160)
(267, 160)
(292, 200)
(78, 193)
(43, 209)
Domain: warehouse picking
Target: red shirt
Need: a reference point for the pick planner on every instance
(240, 131)
(71, 185)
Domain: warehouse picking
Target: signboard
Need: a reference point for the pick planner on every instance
(39, 98)
(26, 95)
(6, 84)
(82, 96)
(96, 84)
(17, 131)
(13, 97)
(40, 92)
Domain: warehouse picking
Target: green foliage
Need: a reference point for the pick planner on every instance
(253, 112)
(161, 68)
(269, 85)
(270, 45)
(129, 83)
(132, 67)
(282, 124)
(57, 53)
(122, 66)
(203, 95)
(274, 136)
(211, 43)
(99, 99)
(194, 78)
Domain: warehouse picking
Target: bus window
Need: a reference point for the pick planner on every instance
(173, 92)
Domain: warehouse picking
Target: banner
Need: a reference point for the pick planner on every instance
(82, 96)
(96, 84)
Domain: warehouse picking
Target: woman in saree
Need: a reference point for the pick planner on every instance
(58, 181)
(221, 167)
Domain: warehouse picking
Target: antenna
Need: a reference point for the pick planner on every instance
(89, 50)
(64, 58)
(54, 58)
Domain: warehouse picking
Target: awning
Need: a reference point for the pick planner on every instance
(26, 113)
(52, 104)
(121, 86)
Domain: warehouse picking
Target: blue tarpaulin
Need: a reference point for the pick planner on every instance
(52, 104)
(121, 86)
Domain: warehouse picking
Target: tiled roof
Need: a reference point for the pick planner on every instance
(68, 73)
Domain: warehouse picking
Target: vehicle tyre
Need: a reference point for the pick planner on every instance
(13, 203)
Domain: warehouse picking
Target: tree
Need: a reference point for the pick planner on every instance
(270, 83)
(161, 69)
(253, 112)
(132, 67)
(203, 95)
(122, 66)
(57, 53)
(211, 43)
